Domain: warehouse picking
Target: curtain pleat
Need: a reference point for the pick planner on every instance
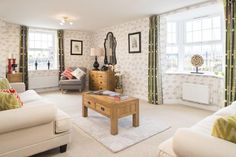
(23, 63)
(154, 67)
(230, 56)
(60, 35)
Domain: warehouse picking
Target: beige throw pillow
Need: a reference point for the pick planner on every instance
(78, 73)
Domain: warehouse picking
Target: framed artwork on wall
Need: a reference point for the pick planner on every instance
(76, 47)
(134, 41)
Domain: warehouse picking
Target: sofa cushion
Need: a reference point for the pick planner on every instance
(13, 91)
(4, 84)
(78, 73)
(9, 101)
(70, 82)
(63, 122)
(29, 96)
(67, 73)
(225, 128)
(229, 110)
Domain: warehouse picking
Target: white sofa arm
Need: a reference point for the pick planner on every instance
(19, 86)
(190, 143)
(26, 117)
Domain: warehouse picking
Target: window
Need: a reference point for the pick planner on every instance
(196, 36)
(42, 49)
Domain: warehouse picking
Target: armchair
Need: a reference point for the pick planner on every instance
(73, 84)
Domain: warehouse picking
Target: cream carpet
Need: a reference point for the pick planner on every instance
(98, 126)
(83, 145)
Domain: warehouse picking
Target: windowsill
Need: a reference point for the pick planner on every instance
(207, 74)
(43, 70)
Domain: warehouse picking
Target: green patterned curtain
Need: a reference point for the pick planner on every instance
(230, 57)
(60, 35)
(154, 66)
(23, 65)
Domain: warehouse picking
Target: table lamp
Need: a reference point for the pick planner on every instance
(97, 52)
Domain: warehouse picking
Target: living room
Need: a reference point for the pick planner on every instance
(138, 78)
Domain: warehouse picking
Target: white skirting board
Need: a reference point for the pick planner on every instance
(195, 93)
(43, 82)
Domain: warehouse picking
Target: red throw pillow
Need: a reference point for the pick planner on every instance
(12, 91)
(67, 73)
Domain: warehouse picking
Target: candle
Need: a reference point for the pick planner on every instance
(9, 56)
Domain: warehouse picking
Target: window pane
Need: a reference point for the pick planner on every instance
(42, 49)
(216, 22)
(189, 26)
(197, 36)
(216, 34)
(206, 23)
(197, 25)
(206, 35)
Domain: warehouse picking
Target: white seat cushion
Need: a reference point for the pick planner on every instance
(229, 110)
(63, 122)
(29, 96)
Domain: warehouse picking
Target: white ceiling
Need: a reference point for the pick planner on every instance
(89, 15)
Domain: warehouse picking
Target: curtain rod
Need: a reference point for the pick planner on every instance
(189, 7)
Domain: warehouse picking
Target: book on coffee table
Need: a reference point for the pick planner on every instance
(111, 94)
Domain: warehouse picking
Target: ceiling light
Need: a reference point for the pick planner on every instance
(66, 20)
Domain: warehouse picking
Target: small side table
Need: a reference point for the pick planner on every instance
(17, 77)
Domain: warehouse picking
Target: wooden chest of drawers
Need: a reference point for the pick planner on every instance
(14, 77)
(101, 80)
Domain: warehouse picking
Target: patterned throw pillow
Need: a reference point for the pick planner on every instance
(78, 73)
(4, 84)
(225, 128)
(12, 91)
(8, 101)
(67, 73)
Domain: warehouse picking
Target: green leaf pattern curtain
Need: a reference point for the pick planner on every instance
(23, 63)
(155, 95)
(60, 35)
(230, 57)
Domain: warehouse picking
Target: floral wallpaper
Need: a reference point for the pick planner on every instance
(133, 66)
(84, 60)
(9, 44)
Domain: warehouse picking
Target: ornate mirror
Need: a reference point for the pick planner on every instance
(110, 49)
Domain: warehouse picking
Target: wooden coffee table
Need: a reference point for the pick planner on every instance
(113, 109)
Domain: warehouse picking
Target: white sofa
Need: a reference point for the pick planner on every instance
(36, 127)
(197, 140)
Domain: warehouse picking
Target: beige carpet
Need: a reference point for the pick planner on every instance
(83, 145)
(98, 127)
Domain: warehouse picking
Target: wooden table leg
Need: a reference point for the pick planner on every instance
(114, 126)
(136, 116)
(84, 111)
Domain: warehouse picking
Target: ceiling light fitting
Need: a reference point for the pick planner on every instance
(66, 20)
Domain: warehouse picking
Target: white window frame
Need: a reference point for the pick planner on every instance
(54, 42)
(181, 39)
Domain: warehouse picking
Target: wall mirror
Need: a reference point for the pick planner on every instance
(110, 49)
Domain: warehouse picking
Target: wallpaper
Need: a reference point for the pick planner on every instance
(9, 44)
(133, 66)
(84, 60)
(172, 86)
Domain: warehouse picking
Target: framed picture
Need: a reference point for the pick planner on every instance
(76, 47)
(134, 40)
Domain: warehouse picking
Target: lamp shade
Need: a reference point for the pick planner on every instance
(97, 52)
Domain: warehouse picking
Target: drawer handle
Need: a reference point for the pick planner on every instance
(100, 82)
(102, 108)
(100, 76)
(89, 102)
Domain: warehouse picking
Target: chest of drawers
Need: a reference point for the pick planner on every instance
(101, 80)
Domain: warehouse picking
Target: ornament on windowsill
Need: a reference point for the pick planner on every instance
(197, 61)
(36, 65)
(48, 64)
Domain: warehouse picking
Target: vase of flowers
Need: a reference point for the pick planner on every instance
(118, 76)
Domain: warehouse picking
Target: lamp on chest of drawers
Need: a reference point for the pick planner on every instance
(97, 52)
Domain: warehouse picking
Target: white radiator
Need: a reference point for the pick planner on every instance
(43, 82)
(195, 93)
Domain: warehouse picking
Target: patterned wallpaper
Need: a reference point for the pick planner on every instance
(134, 66)
(9, 44)
(84, 60)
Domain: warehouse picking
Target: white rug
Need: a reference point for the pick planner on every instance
(98, 126)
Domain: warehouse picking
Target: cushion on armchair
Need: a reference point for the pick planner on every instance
(67, 73)
(78, 73)
(9, 101)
